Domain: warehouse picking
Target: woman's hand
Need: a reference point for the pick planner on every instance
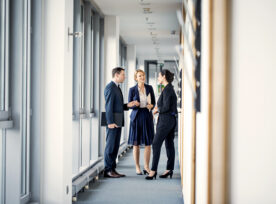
(155, 110)
(133, 103)
(136, 103)
(149, 106)
(130, 104)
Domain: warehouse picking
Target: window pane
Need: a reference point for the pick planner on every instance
(2, 52)
(25, 154)
(78, 85)
(153, 76)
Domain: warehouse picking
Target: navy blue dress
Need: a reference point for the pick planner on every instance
(141, 130)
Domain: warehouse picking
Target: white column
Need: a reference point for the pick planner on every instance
(131, 64)
(131, 67)
(56, 133)
(111, 45)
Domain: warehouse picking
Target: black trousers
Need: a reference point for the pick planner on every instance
(113, 138)
(164, 131)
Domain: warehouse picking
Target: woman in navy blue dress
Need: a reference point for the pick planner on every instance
(141, 120)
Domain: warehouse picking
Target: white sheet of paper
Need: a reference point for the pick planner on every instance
(149, 99)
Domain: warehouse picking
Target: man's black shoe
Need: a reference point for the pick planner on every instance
(111, 174)
(121, 175)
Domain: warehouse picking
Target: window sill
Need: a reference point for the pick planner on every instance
(83, 116)
(6, 124)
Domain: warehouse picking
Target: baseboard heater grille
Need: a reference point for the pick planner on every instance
(82, 180)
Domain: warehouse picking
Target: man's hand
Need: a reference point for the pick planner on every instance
(155, 110)
(149, 106)
(111, 126)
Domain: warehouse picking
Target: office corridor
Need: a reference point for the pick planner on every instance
(134, 188)
(58, 56)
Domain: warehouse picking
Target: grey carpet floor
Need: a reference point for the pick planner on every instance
(134, 188)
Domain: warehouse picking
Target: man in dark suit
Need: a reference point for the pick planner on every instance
(114, 106)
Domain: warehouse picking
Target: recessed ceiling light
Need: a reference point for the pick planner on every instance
(173, 32)
(145, 4)
(147, 10)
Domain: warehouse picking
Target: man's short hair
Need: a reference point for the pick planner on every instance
(117, 70)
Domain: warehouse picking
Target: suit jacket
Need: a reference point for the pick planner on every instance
(134, 95)
(167, 102)
(114, 102)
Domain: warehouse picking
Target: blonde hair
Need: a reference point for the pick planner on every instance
(136, 72)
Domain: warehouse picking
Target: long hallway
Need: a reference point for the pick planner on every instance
(133, 188)
(57, 108)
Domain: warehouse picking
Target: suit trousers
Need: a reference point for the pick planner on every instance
(113, 138)
(164, 131)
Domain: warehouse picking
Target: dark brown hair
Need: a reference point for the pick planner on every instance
(168, 75)
(117, 70)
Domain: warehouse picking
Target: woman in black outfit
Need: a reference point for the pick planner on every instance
(167, 109)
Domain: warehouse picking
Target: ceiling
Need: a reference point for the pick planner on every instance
(151, 25)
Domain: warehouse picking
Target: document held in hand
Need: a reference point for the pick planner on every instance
(118, 119)
(149, 99)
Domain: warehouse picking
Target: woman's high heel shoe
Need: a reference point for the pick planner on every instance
(145, 172)
(151, 177)
(139, 172)
(169, 173)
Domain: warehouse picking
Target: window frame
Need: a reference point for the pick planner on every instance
(5, 114)
(26, 105)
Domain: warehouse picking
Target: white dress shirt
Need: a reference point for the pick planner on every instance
(117, 84)
(143, 98)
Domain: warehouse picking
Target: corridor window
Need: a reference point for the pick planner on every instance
(123, 63)
(84, 78)
(3, 53)
(83, 92)
(25, 116)
(4, 13)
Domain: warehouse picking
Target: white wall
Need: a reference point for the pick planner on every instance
(188, 125)
(131, 67)
(202, 117)
(253, 99)
(57, 103)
